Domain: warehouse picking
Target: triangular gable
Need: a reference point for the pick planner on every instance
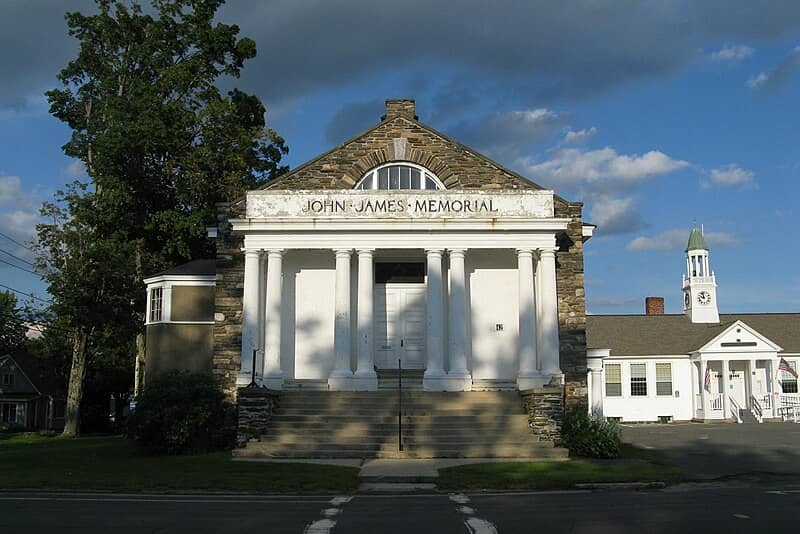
(9, 364)
(740, 338)
(402, 139)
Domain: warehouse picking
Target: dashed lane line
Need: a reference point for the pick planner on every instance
(473, 524)
(326, 523)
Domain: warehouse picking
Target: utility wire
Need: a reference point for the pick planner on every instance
(20, 268)
(31, 295)
(15, 241)
(17, 257)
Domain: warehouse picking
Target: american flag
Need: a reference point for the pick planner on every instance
(708, 379)
(784, 366)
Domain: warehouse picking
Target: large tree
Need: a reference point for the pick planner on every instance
(161, 145)
(12, 324)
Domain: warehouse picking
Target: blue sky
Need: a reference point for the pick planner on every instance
(654, 113)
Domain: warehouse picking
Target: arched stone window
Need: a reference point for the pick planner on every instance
(399, 176)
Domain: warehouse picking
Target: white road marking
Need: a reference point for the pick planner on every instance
(475, 525)
(459, 498)
(323, 526)
(466, 510)
(165, 500)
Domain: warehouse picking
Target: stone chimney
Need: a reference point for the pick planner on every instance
(399, 107)
(654, 305)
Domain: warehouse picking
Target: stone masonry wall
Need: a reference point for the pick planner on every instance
(255, 409)
(399, 137)
(545, 407)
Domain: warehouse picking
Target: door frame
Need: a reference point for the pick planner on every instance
(399, 351)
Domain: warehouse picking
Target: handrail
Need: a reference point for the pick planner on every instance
(735, 410)
(755, 408)
(399, 405)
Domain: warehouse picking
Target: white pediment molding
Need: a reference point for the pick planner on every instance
(737, 339)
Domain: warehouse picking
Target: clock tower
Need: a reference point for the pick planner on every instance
(699, 282)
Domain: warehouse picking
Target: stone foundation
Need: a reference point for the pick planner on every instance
(255, 407)
(545, 407)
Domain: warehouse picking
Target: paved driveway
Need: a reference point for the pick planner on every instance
(716, 450)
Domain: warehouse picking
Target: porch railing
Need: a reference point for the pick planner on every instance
(716, 402)
(735, 409)
(766, 402)
(756, 409)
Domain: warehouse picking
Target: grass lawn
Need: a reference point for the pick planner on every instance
(115, 463)
(635, 466)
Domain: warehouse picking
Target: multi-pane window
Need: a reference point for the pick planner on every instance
(613, 380)
(399, 176)
(8, 379)
(156, 304)
(664, 379)
(788, 380)
(638, 380)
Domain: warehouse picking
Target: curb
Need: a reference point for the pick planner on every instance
(621, 486)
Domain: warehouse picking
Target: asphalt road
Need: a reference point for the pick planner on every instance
(708, 509)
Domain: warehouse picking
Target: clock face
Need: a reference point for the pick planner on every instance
(704, 297)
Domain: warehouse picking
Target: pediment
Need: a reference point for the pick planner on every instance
(740, 338)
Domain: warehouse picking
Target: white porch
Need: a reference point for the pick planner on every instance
(311, 300)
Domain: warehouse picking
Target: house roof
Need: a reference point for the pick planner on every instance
(39, 371)
(194, 267)
(647, 335)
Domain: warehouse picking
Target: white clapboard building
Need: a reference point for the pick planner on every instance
(699, 365)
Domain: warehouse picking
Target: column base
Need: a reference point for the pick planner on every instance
(245, 379)
(445, 382)
(460, 380)
(364, 381)
(340, 381)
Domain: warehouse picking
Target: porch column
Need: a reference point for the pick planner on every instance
(529, 376)
(365, 378)
(704, 393)
(273, 374)
(549, 350)
(434, 372)
(341, 374)
(250, 316)
(774, 387)
(595, 377)
(726, 402)
(457, 323)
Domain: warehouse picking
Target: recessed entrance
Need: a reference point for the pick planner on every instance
(400, 315)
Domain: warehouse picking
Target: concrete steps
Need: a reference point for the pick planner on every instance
(325, 424)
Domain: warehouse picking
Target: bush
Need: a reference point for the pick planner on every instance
(180, 412)
(589, 436)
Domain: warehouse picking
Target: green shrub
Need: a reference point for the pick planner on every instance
(589, 436)
(180, 412)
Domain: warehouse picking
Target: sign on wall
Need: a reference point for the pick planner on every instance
(399, 204)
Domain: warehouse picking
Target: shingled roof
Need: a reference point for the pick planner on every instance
(194, 267)
(650, 335)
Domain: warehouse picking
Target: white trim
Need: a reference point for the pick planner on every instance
(183, 279)
(771, 345)
(372, 174)
(184, 322)
(344, 224)
(166, 283)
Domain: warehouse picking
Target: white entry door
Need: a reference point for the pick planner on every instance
(736, 385)
(400, 326)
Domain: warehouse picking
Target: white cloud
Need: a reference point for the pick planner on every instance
(574, 166)
(20, 225)
(75, 169)
(506, 134)
(729, 176)
(10, 192)
(732, 53)
(780, 75)
(676, 239)
(579, 136)
(614, 215)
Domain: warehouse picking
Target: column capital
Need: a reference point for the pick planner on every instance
(365, 251)
(343, 251)
(456, 252)
(275, 252)
(524, 252)
(251, 252)
(547, 253)
(434, 251)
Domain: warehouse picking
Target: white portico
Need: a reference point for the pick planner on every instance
(340, 283)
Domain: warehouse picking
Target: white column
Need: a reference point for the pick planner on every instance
(726, 403)
(250, 313)
(704, 393)
(262, 298)
(341, 375)
(529, 376)
(595, 377)
(459, 375)
(774, 387)
(434, 372)
(365, 378)
(549, 350)
(273, 374)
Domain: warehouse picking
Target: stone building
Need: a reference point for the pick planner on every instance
(398, 248)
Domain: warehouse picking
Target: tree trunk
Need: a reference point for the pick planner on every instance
(72, 417)
(138, 378)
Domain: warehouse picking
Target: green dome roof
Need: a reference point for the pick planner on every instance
(696, 241)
